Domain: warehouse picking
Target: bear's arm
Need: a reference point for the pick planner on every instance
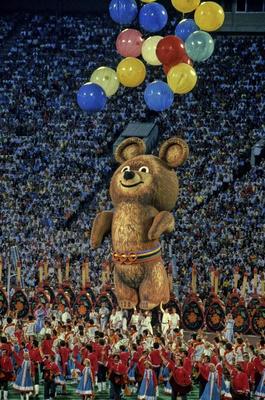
(101, 226)
(163, 223)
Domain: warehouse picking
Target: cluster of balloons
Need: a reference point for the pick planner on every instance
(176, 53)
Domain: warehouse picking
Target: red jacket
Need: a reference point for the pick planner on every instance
(7, 347)
(46, 346)
(119, 368)
(140, 365)
(64, 354)
(180, 374)
(249, 368)
(93, 362)
(258, 364)
(187, 364)
(239, 382)
(134, 359)
(156, 358)
(204, 370)
(124, 356)
(52, 367)
(35, 355)
(6, 364)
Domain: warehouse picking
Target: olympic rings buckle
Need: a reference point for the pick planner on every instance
(127, 258)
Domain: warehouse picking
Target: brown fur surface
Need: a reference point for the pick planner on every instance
(142, 201)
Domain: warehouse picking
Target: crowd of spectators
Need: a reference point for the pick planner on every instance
(56, 161)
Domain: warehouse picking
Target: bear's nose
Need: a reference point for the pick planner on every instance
(128, 175)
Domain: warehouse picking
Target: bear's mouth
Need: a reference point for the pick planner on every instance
(129, 186)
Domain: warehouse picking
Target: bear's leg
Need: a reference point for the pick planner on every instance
(154, 288)
(127, 297)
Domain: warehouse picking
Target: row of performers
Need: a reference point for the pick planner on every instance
(194, 314)
(138, 370)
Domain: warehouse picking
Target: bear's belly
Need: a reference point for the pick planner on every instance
(131, 275)
(130, 226)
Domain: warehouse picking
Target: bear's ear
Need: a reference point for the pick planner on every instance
(129, 148)
(174, 152)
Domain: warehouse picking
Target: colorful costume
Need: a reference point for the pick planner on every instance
(225, 390)
(148, 386)
(229, 330)
(211, 391)
(260, 391)
(6, 373)
(40, 316)
(24, 382)
(86, 385)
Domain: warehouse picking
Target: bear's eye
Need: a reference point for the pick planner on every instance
(144, 169)
(127, 168)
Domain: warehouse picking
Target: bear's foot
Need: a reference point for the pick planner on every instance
(146, 305)
(126, 304)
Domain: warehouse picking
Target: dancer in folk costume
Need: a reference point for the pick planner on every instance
(60, 378)
(50, 372)
(229, 328)
(180, 379)
(39, 315)
(100, 364)
(211, 391)
(86, 385)
(239, 383)
(6, 373)
(117, 376)
(36, 359)
(226, 386)
(260, 391)
(24, 381)
(148, 387)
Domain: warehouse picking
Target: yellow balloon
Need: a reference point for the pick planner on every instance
(181, 78)
(185, 6)
(209, 16)
(149, 50)
(106, 78)
(131, 72)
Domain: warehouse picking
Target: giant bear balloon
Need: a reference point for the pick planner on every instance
(144, 190)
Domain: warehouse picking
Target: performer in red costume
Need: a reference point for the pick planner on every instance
(180, 379)
(50, 371)
(117, 377)
(156, 359)
(6, 372)
(239, 383)
(36, 359)
(203, 370)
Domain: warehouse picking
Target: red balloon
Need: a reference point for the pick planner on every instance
(185, 59)
(129, 43)
(170, 50)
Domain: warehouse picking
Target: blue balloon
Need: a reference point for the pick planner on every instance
(123, 11)
(158, 96)
(185, 28)
(91, 97)
(199, 46)
(153, 17)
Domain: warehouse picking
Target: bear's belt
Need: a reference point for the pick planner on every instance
(137, 256)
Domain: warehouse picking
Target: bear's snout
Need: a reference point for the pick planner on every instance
(128, 175)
